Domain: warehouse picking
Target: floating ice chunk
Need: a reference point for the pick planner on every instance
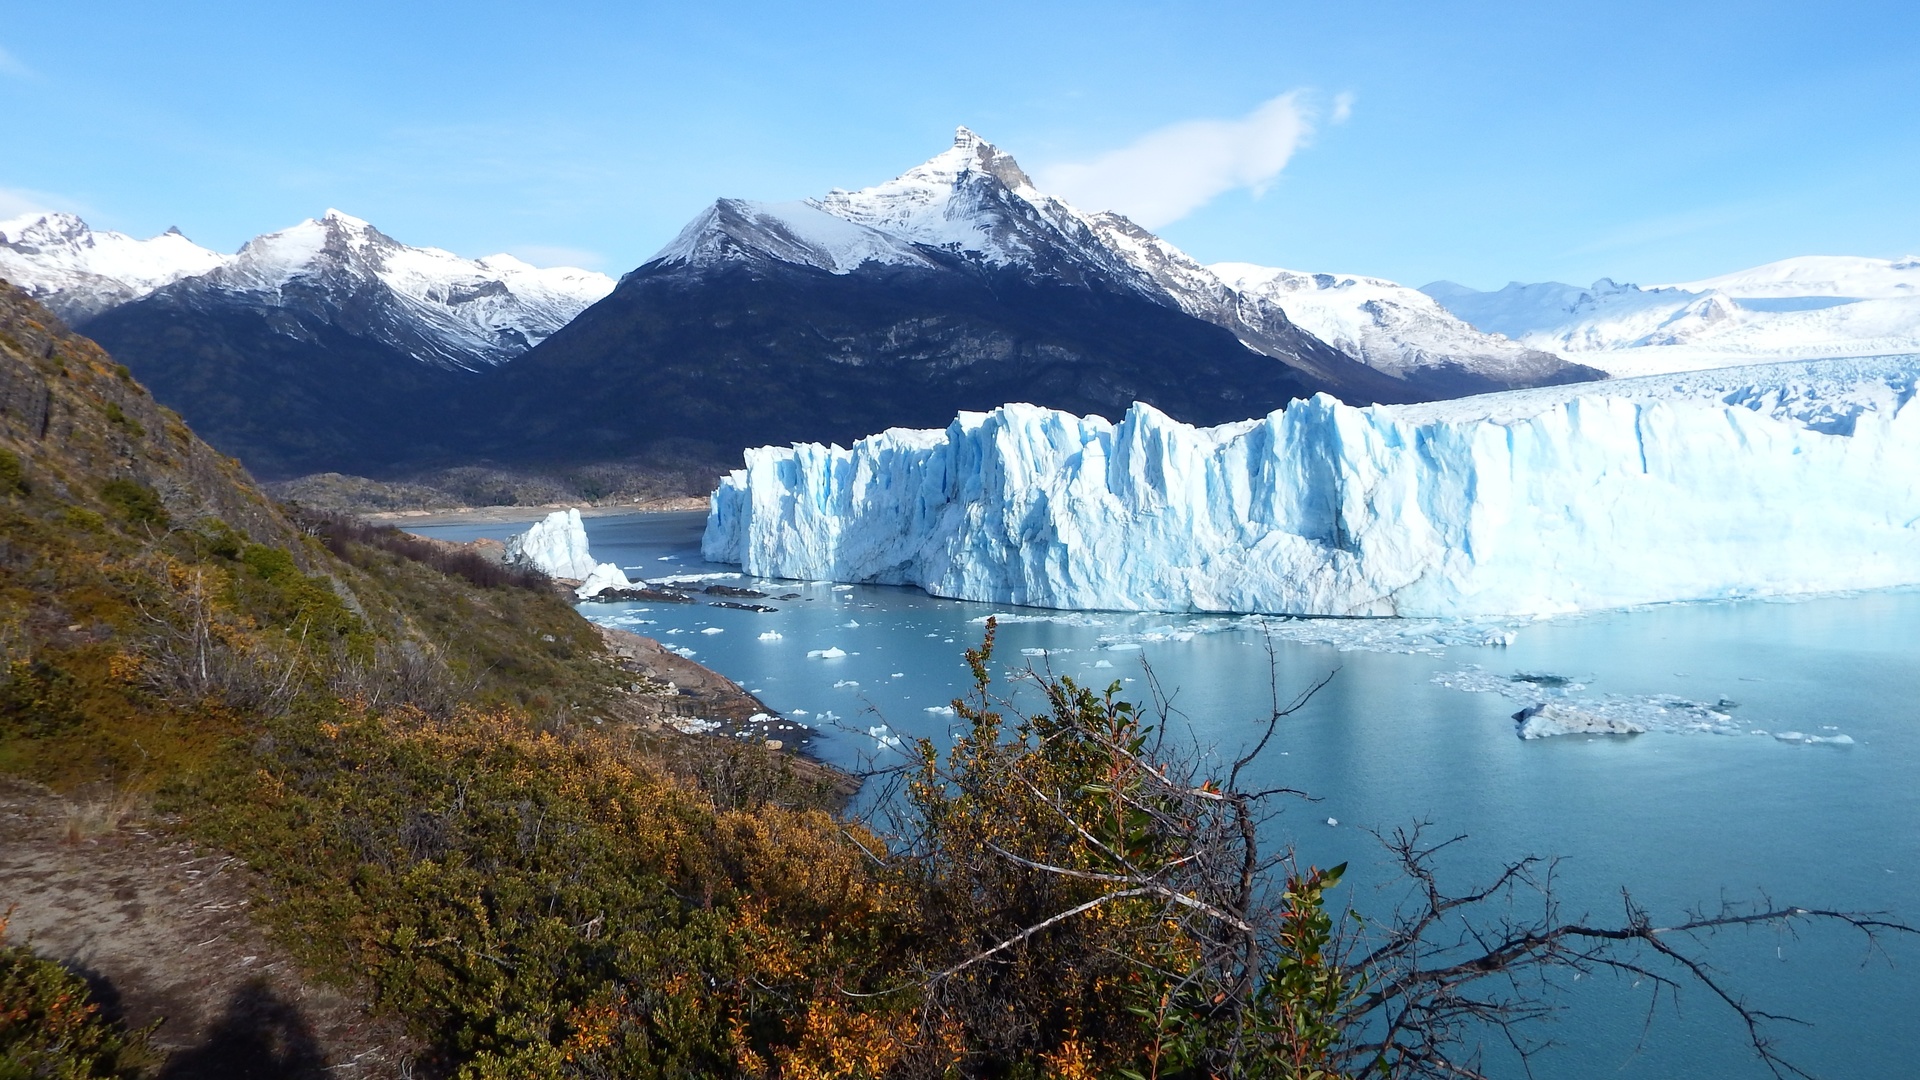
(898, 675)
(681, 650)
(1333, 821)
(556, 544)
(602, 576)
(833, 652)
(759, 718)
(940, 710)
(851, 624)
(1813, 740)
(770, 635)
(1103, 663)
(1551, 719)
(883, 737)
(846, 684)
(713, 630)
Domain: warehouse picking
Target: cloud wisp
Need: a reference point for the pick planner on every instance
(1167, 174)
(22, 202)
(10, 65)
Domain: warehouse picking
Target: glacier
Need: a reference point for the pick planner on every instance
(1768, 480)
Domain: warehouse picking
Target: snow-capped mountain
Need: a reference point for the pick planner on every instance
(954, 286)
(1398, 330)
(1793, 309)
(972, 206)
(78, 272)
(433, 305)
(974, 203)
(438, 307)
(330, 345)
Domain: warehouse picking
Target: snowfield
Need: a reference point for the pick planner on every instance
(1758, 481)
(1814, 305)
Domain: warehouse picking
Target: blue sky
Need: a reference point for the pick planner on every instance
(1479, 142)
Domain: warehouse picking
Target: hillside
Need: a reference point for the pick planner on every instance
(196, 681)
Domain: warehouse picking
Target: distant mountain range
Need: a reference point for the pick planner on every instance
(1813, 306)
(955, 286)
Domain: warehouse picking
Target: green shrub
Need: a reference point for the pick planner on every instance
(136, 502)
(13, 475)
(51, 1029)
(40, 698)
(306, 607)
(81, 519)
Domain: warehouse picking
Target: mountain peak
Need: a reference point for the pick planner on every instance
(50, 227)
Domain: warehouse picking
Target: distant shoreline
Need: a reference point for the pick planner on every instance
(507, 515)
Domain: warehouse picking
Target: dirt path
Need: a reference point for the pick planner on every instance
(161, 930)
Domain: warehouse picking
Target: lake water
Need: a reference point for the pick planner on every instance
(1416, 724)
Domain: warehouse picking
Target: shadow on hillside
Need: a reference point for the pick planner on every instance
(261, 1035)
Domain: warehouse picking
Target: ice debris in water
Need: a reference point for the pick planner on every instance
(1556, 718)
(1812, 740)
(1634, 491)
(833, 652)
(1560, 705)
(770, 635)
(883, 737)
(713, 630)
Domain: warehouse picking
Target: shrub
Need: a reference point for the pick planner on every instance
(135, 502)
(13, 475)
(51, 1029)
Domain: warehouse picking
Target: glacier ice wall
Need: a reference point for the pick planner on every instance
(1770, 480)
(556, 544)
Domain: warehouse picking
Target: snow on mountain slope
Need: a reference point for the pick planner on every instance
(1820, 275)
(79, 272)
(1391, 327)
(801, 233)
(970, 202)
(973, 204)
(1769, 480)
(441, 308)
(1793, 309)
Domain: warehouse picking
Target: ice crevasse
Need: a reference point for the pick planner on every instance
(1770, 480)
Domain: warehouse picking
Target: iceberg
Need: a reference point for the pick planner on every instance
(556, 544)
(1760, 481)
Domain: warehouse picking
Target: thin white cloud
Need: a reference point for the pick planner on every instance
(1342, 108)
(1167, 174)
(15, 202)
(11, 65)
(551, 255)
